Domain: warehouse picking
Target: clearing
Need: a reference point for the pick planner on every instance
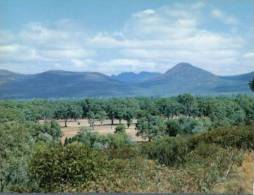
(73, 127)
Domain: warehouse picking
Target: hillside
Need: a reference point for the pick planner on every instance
(186, 78)
(182, 78)
(131, 77)
(54, 84)
(6, 76)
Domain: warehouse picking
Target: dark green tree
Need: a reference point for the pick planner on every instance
(150, 127)
(251, 84)
(67, 111)
(120, 128)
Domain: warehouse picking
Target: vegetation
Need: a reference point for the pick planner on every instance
(192, 144)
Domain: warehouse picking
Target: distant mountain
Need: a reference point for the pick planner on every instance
(131, 77)
(186, 78)
(182, 78)
(241, 77)
(54, 84)
(6, 76)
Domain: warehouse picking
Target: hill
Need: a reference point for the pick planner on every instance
(6, 76)
(182, 78)
(131, 77)
(186, 78)
(55, 84)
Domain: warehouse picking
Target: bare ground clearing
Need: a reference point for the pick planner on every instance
(73, 127)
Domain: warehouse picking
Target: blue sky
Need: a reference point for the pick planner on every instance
(113, 36)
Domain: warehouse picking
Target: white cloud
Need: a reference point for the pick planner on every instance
(152, 40)
(227, 19)
(249, 55)
(145, 13)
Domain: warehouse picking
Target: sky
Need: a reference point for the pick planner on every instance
(113, 36)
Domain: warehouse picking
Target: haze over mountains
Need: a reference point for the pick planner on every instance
(183, 78)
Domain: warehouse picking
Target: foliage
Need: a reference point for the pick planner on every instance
(118, 140)
(150, 126)
(49, 130)
(239, 136)
(55, 166)
(251, 84)
(194, 144)
(68, 111)
(89, 138)
(168, 150)
(120, 128)
(15, 148)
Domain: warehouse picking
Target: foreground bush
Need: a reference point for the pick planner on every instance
(239, 136)
(169, 150)
(54, 166)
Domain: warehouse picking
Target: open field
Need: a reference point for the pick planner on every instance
(73, 127)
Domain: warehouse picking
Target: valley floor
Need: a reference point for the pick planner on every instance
(73, 127)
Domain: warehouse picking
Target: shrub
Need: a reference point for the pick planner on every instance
(15, 148)
(186, 125)
(90, 138)
(118, 140)
(168, 150)
(54, 166)
(47, 131)
(120, 128)
(124, 152)
(239, 136)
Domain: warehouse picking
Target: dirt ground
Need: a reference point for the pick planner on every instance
(73, 127)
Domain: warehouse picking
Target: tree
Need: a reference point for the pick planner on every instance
(111, 110)
(91, 119)
(76, 112)
(247, 104)
(251, 84)
(169, 108)
(172, 128)
(129, 114)
(101, 116)
(15, 149)
(49, 130)
(190, 106)
(120, 109)
(150, 127)
(66, 111)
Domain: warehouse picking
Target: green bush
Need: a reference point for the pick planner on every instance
(123, 152)
(120, 128)
(47, 132)
(90, 138)
(15, 148)
(239, 136)
(118, 140)
(54, 166)
(168, 150)
(186, 125)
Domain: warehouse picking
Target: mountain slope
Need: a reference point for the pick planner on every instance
(183, 78)
(131, 77)
(6, 76)
(54, 84)
(237, 83)
(186, 78)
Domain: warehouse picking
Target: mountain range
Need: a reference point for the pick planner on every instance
(182, 78)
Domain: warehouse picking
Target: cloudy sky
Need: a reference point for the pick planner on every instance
(112, 36)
